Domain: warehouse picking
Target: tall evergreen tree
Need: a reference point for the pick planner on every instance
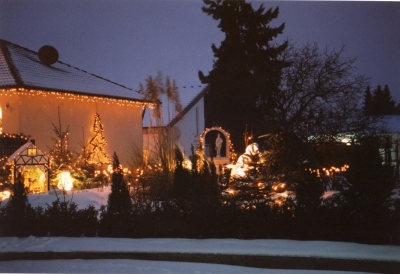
(380, 102)
(390, 104)
(245, 70)
(367, 101)
(369, 188)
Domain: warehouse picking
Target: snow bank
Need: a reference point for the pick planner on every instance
(322, 249)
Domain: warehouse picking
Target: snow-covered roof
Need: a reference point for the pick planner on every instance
(21, 155)
(21, 68)
(188, 96)
(390, 123)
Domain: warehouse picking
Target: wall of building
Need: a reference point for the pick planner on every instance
(35, 115)
(185, 132)
(191, 127)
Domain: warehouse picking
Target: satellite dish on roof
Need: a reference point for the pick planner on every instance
(48, 55)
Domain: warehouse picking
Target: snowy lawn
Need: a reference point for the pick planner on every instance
(323, 249)
(139, 267)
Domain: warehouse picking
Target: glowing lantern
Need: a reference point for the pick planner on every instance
(66, 181)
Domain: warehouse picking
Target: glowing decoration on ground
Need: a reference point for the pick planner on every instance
(4, 195)
(245, 160)
(66, 181)
(187, 164)
(329, 171)
(280, 187)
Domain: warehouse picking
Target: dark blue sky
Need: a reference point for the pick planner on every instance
(125, 41)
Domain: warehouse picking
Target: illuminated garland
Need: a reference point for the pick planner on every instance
(200, 150)
(8, 135)
(98, 156)
(77, 97)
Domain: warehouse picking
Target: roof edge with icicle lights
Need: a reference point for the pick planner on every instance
(22, 72)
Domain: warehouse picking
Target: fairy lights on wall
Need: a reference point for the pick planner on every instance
(76, 97)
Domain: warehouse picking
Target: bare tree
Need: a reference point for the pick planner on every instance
(319, 93)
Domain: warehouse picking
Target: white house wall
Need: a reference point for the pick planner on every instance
(34, 116)
(191, 126)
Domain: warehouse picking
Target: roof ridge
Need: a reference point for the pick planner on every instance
(7, 56)
(19, 79)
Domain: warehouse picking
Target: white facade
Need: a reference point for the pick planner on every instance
(184, 129)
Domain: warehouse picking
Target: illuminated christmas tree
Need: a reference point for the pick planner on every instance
(97, 155)
(61, 155)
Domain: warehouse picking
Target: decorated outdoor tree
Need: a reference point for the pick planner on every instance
(97, 155)
(64, 173)
(61, 154)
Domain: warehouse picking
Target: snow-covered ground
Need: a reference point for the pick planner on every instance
(140, 267)
(320, 249)
(83, 198)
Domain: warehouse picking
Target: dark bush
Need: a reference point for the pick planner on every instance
(63, 219)
(16, 214)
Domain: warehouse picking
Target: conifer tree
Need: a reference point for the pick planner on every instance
(390, 104)
(61, 154)
(368, 101)
(245, 71)
(97, 156)
(119, 199)
(380, 102)
(370, 182)
(17, 212)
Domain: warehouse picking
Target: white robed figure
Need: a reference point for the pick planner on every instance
(218, 145)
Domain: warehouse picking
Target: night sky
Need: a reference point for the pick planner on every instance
(125, 41)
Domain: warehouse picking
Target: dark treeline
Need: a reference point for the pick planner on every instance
(379, 102)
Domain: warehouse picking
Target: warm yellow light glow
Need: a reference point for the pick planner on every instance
(1, 121)
(77, 97)
(65, 181)
(4, 194)
(187, 164)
